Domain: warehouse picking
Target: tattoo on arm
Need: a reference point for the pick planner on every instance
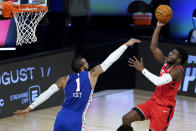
(96, 71)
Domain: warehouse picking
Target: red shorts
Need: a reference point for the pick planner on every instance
(159, 115)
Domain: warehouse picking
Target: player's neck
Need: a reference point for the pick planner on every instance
(173, 65)
(82, 70)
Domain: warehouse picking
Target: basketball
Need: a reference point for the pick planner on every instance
(163, 13)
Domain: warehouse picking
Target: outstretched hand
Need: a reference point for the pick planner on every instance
(136, 63)
(23, 112)
(161, 24)
(132, 41)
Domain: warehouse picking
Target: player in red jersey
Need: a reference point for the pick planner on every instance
(160, 108)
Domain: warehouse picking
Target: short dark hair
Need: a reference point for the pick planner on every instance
(76, 64)
(183, 55)
(125, 128)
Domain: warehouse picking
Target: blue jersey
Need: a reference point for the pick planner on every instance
(78, 97)
(78, 92)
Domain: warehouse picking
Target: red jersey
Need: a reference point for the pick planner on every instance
(165, 94)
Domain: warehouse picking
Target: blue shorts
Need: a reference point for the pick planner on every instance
(68, 120)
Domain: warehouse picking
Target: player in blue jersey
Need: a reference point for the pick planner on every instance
(78, 88)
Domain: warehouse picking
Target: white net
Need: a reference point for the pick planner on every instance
(26, 23)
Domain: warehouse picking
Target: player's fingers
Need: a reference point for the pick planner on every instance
(17, 112)
(131, 61)
(131, 65)
(135, 58)
(141, 60)
(138, 41)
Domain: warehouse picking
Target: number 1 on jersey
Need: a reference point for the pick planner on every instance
(78, 84)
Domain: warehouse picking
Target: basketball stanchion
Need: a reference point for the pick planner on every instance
(27, 18)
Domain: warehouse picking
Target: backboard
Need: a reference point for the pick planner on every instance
(37, 2)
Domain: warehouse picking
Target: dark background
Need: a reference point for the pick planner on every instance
(59, 63)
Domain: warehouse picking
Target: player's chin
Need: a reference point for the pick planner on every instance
(170, 61)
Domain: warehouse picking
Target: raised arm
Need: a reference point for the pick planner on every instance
(175, 74)
(154, 44)
(114, 56)
(60, 84)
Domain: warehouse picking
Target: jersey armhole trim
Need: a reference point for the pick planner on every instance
(67, 78)
(66, 83)
(90, 80)
(89, 75)
(180, 67)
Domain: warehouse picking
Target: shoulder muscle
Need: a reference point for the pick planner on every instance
(177, 74)
(61, 82)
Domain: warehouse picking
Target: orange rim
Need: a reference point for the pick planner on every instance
(29, 8)
(7, 9)
(6, 5)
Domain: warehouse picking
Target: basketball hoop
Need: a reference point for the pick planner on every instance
(27, 18)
